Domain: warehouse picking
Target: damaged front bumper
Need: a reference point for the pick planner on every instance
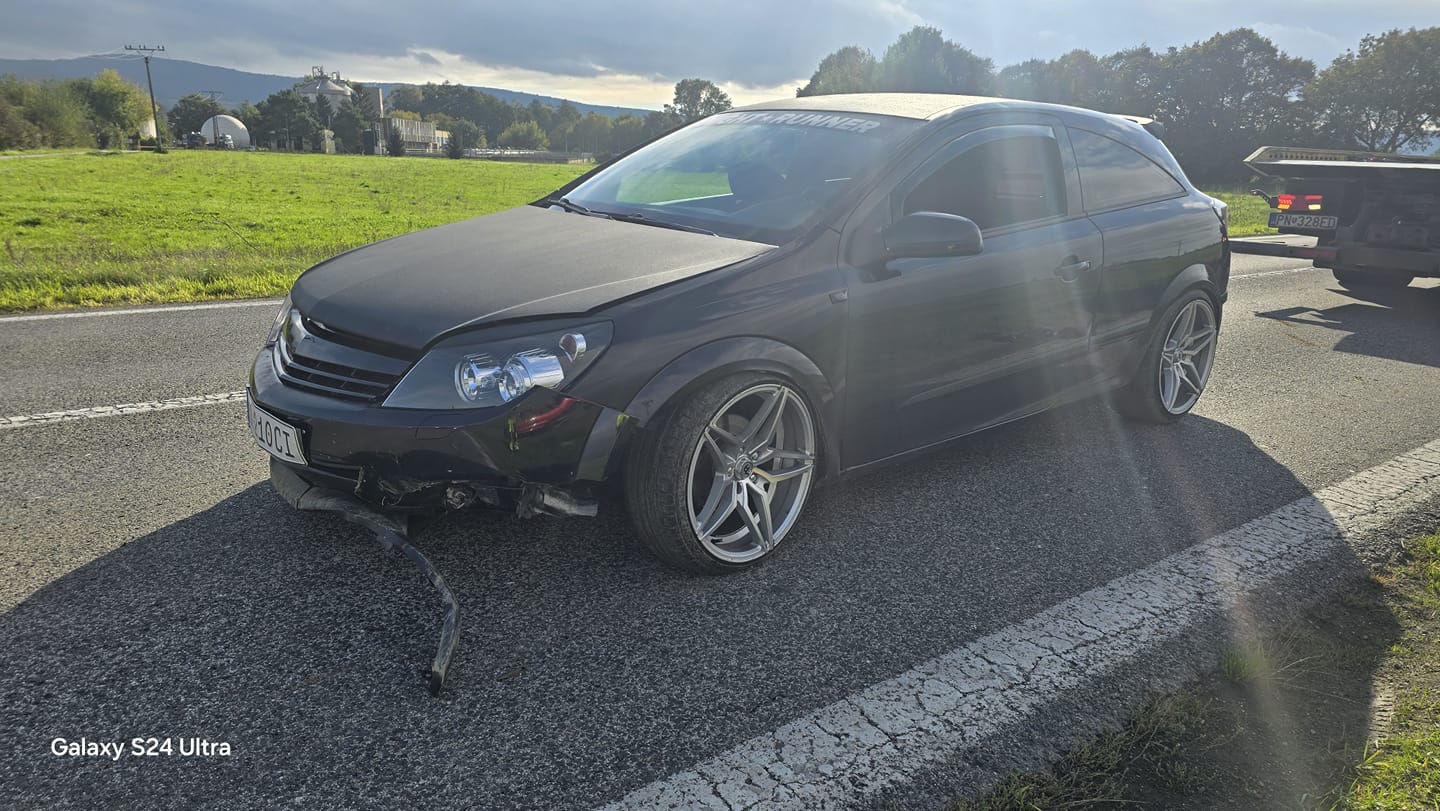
(545, 453)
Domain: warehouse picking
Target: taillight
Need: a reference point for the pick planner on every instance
(1299, 202)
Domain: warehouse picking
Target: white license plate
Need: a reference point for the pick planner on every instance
(275, 436)
(1319, 222)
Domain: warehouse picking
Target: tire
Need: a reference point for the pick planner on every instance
(1159, 393)
(1371, 279)
(703, 489)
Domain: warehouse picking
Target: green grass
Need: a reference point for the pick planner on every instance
(1288, 720)
(1249, 215)
(109, 228)
(1402, 770)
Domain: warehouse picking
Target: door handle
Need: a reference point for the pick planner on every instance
(1070, 271)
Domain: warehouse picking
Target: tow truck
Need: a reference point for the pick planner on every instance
(1375, 216)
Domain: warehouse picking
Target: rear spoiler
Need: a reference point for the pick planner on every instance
(1151, 126)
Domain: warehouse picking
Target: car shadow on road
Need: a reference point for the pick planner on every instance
(585, 668)
(1397, 324)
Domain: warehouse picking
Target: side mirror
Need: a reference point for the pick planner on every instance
(930, 233)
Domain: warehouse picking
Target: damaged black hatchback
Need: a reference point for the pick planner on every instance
(760, 300)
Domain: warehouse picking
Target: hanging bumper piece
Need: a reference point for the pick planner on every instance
(392, 533)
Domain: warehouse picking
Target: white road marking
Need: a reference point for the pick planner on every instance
(844, 753)
(1274, 273)
(179, 308)
(29, 420)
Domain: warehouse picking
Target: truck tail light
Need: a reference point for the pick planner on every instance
(1299, 202)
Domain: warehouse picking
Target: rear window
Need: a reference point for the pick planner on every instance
(1112, 175)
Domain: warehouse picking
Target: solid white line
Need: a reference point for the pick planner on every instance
(50, 418)
(178, 308)
(845, 753)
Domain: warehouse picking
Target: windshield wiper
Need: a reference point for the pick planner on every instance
(644, 220)
(575, 208)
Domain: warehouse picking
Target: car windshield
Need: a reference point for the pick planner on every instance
(761, 176)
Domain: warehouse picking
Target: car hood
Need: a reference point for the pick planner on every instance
(521, 263)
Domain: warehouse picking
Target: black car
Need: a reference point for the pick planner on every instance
(755, 302)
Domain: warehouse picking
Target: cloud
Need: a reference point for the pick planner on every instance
(638, 48)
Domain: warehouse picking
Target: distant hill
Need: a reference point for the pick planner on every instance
(177, 77)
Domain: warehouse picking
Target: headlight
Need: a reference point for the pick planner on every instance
(464, 373)
(279, 321)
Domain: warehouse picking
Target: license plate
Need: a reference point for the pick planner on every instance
(1318, 222)
(275, 436)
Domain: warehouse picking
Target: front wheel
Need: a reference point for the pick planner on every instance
(721, 482)
(1176, 364)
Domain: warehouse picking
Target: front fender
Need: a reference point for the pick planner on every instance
(730, 356)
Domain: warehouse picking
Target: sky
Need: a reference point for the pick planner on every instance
(630, 53)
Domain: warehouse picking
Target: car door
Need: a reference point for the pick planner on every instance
(939, 347)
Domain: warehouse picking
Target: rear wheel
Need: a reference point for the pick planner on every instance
(721, 482)
(1356, 279)
(1176, 364)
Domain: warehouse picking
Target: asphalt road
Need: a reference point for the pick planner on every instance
(153, 585)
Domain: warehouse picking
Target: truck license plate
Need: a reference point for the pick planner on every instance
(1318, 222)
(275, 436)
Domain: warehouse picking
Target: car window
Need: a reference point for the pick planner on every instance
(997, 183)
(762, 176)
(1112, 175)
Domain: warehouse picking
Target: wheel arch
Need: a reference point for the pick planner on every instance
(728, 356)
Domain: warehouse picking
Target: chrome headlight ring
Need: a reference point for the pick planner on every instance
(465, 373)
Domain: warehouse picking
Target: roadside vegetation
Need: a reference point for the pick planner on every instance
(1338, 710)
(117, 228)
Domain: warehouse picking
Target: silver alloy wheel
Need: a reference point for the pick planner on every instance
(750, 472)
(1187, 355)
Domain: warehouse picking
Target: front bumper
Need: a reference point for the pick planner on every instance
(542, 453)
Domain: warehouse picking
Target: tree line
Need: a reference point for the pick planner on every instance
(102, 111)
(1219, 99)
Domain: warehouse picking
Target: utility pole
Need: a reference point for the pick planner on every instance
(154, 110)
(214, 95)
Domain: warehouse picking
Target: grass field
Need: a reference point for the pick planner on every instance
(113, 228)
(1249, 215)
(124, 228)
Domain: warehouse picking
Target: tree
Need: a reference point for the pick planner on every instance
(851, 69)
(696, 98)
(1223, 97)
(405, 97)
(362, 102)
(323, 110)
(287, 117)
(1386, 97)
(117, 108)
(191, 112)
(922, 60)
(394, 141)
(524, 135)
(463, 135)
(1077, 78)
(591, 133)
(45, 113)
(626, 131)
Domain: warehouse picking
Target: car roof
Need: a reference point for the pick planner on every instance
(921, 106)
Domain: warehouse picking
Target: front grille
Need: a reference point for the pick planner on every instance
(312, 357)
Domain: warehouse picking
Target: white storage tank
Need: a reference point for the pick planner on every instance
(228, 125)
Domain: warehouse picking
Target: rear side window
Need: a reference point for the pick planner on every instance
(1112, 175)
(1002, 182)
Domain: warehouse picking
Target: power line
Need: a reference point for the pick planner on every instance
(154, 109)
